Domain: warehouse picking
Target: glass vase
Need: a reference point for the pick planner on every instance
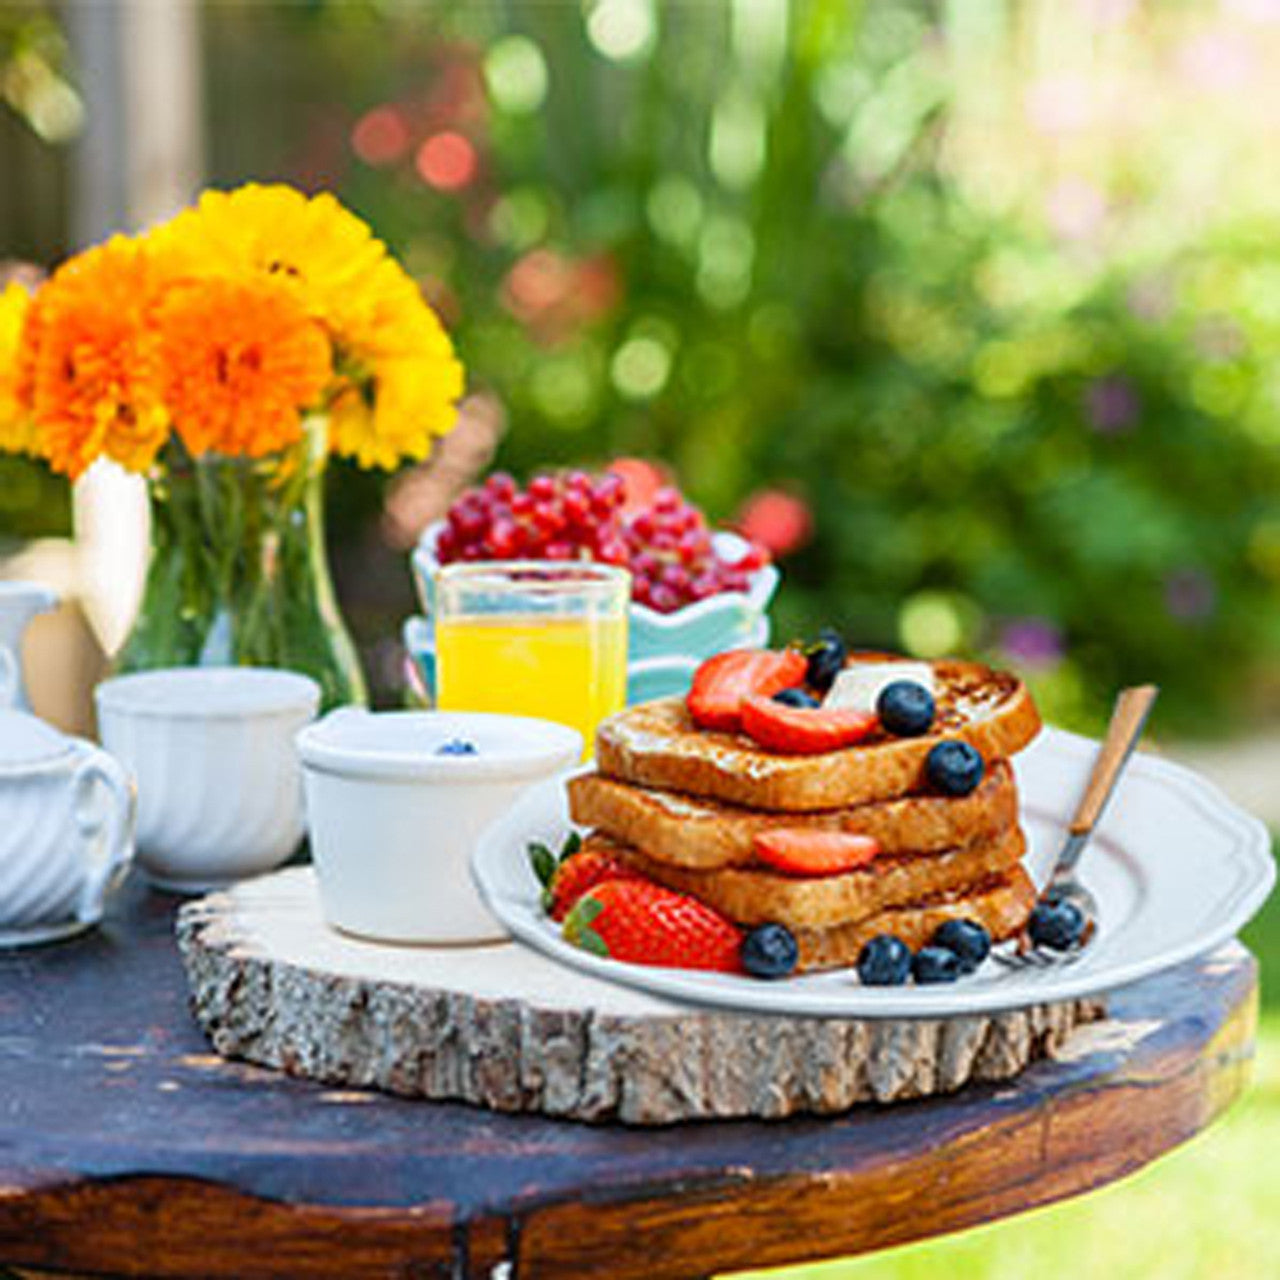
(238, 574)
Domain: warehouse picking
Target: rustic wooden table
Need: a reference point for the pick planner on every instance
(127, 1148)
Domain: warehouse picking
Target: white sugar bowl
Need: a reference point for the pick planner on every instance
(396, 802)
(66, 830)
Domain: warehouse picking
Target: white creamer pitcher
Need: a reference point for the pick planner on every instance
(19, 603)
(66, 830)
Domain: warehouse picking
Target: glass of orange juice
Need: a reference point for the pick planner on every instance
(533, 638)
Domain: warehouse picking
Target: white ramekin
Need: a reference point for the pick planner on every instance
(211, 748)
(393, 823)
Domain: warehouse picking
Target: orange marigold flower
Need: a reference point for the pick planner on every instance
(87, 366)
(241, 360)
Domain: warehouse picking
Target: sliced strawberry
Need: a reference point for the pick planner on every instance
(643, 923)
(804, 731)
(721, 683)
(809, 851)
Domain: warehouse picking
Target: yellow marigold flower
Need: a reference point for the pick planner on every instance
(401, 379)
(241, 360)
(407, 403)
(87, 363)
(17, 432)
(318, 249)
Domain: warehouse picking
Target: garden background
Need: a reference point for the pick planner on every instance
(970, 309)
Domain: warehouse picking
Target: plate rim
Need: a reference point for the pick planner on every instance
(1251, 845)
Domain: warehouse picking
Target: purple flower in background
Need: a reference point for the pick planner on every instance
(1189, 595)
(1034, 643)
(1113, 405)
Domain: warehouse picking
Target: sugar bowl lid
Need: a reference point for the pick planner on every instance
(26, 740)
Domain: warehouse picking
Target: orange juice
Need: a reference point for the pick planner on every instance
(570, 669)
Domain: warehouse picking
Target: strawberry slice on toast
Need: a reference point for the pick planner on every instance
(811, 851)
(804, 730)
(722, 683)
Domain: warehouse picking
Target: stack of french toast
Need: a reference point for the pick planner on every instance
(890, 824)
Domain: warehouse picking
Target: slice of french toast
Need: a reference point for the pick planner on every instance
(704, 835)
(1000, 904)
(656, 744)
(751, 896)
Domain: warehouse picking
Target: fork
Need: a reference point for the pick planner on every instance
(1128, 719)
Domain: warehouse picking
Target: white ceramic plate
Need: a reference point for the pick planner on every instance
(1176, 867)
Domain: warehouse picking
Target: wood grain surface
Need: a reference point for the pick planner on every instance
(506, 1027)
(127, 1148)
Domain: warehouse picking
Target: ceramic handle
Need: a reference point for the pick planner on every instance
(10, 677)
(118, 822)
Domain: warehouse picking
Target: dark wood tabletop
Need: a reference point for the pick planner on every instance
(128, 1148)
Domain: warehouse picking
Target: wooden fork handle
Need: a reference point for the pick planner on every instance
(1129, 718)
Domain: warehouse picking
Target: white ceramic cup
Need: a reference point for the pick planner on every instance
(393, 822)
(211, 748)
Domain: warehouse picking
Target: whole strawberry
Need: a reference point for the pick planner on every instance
(566, 878)
(641, 922)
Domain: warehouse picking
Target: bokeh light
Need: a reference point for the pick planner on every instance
(622, 29)
(674, 208)
(780, 521)
(447, 161)
(515, 74)
(381, 136)
(930, 625)
(640, 367)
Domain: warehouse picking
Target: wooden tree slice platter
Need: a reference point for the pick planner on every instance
(505, 1027)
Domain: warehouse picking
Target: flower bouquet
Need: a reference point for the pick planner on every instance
(224, 355)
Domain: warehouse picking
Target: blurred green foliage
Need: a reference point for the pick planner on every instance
(37, 108)
(752, 240)
(991, 288)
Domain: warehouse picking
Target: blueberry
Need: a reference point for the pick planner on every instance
(885, 961)
(954, 768)
(905, 708)
(1056, 925)
(457, 747)
(796, 698)
(769, 951)
(826, 660)
(967, 939)
(936, 964)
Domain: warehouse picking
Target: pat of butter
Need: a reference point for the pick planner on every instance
(859, 685)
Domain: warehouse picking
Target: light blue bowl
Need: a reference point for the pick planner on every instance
(664, 649)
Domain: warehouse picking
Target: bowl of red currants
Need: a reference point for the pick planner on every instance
(695, 591)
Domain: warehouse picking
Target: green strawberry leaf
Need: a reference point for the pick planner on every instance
(548, 900)
(543, 862)
(588, 909)
(577, 924)
(590, 940)
(572, 844)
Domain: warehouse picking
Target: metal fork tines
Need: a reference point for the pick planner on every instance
(1132, 708)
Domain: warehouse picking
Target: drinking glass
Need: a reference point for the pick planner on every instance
(533, 638)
